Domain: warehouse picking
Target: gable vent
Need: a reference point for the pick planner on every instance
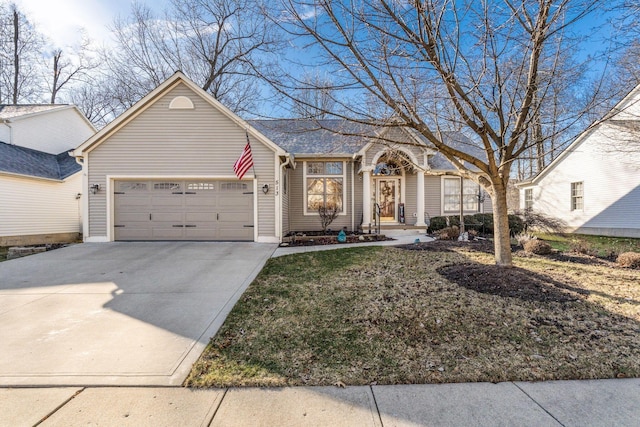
(181, 103)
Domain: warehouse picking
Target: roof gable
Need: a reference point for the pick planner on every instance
(152, 97)
(631, 100)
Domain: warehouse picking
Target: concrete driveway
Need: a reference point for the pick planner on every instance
(118, 313)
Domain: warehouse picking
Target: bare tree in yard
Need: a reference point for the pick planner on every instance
(20, 49)
(65, 70)
(215, 42)
(314, 97)
(488, 68)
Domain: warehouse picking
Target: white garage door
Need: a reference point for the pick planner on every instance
(183, 210)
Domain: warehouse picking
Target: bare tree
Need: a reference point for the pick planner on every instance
(486, 68)
(20, 49)
(314, 98)
(66, 69)
(217, 43)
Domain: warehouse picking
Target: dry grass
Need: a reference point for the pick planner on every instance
(388, 316)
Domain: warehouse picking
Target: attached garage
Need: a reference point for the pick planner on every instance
(183, 210)
(164, 170)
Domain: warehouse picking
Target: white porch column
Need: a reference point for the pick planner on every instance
(366, 198)
(420, 196)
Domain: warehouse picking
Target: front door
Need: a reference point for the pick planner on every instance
(387, 191)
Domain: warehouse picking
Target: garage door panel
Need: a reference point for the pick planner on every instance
(173, 200)
(183, 210)
(200, 217)
(173, 217)
(201, 201)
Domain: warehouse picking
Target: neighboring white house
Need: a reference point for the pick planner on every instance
(40, 183)
(594, 185)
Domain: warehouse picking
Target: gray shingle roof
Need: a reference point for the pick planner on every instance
(326, 138)
(13, 111)
(25, 161)
(322, 137)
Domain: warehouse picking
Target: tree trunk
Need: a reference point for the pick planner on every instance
(16, 56)
(501, 233)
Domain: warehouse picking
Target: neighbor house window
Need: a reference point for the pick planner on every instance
(325, 185)
(577, 196)
(528, 198)
(451, 195)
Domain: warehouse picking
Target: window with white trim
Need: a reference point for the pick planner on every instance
(324, 185)
(577, 196)
(451, 195)
(528, 198)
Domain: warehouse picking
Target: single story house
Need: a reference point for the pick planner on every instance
(594, 185)
(40, 182)
(163, 170)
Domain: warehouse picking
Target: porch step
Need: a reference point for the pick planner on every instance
(398, 230)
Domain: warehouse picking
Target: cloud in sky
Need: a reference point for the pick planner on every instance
(62, 20)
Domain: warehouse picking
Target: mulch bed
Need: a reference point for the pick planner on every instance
(333, 240)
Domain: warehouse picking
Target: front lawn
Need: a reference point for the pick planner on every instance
(602, 246)
(441, 314)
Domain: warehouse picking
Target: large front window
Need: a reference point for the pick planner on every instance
(451, 197)
(324, 185)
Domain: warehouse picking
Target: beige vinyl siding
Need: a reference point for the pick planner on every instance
(410, 201)
(32, 206)
(286, 178)
(357, 219)
(395, 134)
(432, 196)
(298, 221)
(200, 142)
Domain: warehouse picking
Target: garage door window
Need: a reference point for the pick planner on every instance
(166, 186)
(233, 186)
(132, 186)
(210, 186)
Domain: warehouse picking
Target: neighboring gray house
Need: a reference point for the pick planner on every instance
(594, 185)
(163, 170)
(40, 183)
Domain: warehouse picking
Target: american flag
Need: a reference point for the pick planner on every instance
(245, 162)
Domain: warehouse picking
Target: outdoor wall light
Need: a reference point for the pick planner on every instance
(95, 188)
(265, 188)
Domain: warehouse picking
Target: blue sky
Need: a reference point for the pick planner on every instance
(61, 20)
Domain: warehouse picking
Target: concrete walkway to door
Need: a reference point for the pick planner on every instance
(118, 313)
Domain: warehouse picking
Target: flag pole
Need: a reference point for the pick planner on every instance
(246, 133)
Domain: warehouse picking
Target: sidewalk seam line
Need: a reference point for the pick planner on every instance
(375, 402)
(219, 405)
(539, 405)
(57, 408)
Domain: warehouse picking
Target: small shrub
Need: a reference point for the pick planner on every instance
(541, 222)
(448, 233)
(629, 259)
(537, 247)
(582, 247)
(327, 214)
(524, 237)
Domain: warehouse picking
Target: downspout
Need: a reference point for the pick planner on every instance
(84, 200)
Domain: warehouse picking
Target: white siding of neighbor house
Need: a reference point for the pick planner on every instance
(200, 142)
(33, 206)
(298, 221)
(611, 186)
(52, 132)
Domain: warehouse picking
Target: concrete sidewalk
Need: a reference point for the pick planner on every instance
(553, 403)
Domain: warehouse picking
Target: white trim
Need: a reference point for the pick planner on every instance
(97, 239)
(85, 198)
(366, 198)
(376, 157)
(304, 184)
(353, 196)
(267, 239)
(278, 197)
(420, 196)
(38, 178)
(255, 210)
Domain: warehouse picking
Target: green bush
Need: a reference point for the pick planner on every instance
(481, 222)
